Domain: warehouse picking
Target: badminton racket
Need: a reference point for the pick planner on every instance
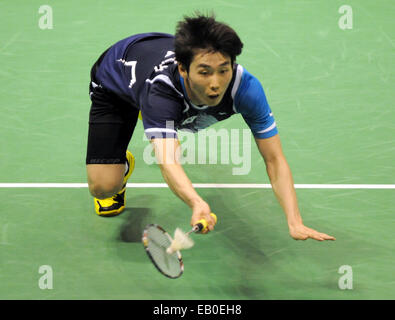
(157, 241)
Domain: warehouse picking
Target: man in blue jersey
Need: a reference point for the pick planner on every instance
(187, 81)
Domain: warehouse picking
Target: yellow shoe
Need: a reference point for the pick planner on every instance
(116, 204)
(130, 160)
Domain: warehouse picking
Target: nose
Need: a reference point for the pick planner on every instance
(214, 84)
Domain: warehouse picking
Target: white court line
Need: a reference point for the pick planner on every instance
(204, 185)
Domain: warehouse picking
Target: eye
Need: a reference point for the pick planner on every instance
(223, 71)
(203, 72)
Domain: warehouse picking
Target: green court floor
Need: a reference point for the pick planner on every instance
(331, 92)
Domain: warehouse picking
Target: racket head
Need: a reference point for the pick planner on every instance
(155, 241)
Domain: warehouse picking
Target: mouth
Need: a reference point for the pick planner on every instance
(213, 96)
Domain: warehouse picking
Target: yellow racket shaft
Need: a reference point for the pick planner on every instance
(204, 223)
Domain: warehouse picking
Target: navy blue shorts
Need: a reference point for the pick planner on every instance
(112, 121)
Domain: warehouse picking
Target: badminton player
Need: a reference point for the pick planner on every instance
(187, 81)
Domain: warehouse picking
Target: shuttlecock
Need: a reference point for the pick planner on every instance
(181, 241)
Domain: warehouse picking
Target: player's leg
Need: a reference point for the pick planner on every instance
(108, 171)
(109, 163)
(105, 180)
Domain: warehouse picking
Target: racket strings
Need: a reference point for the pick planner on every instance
(157, 243)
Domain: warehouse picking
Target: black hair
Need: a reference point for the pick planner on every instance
(204, 32)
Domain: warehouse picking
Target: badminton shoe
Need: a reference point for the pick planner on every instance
(116, 204)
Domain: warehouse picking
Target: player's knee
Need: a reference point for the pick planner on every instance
(103, 191)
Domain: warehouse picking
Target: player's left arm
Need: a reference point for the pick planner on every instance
(283, 186)
(250, 101)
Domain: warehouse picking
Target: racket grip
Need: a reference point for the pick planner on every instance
(202, 223)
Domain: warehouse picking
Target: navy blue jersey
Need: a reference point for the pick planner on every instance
(142, 70)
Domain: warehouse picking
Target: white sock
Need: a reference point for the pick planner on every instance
(126, 167)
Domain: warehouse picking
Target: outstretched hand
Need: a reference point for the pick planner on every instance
(301, 232)
(200, 211)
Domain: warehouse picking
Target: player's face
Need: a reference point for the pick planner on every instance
(208, 78)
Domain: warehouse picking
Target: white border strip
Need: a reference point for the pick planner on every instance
(204, 185)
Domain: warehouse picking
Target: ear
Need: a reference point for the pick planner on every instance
(182, 70)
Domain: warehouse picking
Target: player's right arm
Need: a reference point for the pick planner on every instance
(167, 152)
(161, 109)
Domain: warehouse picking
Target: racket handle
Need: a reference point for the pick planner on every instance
(202, 223)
